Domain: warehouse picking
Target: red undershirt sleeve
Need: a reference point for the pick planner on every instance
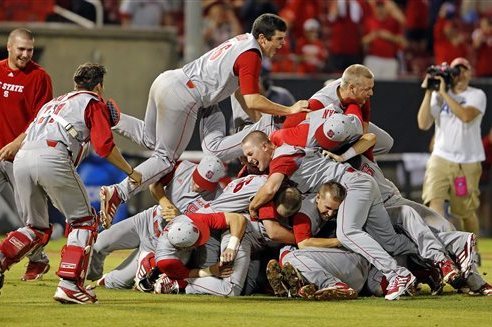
(286, 165)
(214, 220)
(173, 268)
(248, 67)
(97, 120)
(301, 226)
(295, 119)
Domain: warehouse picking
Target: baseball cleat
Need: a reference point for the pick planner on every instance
(450, 273)
(307, 291)
(339, 291)
(110, 201)
(274, 276)
(292, 279)
(35, 270)
(485, 290)
(80, 296)
(398, 286)
(465, 257)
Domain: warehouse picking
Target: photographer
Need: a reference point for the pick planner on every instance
(453, 170)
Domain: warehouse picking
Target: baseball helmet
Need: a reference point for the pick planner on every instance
(336, 130)
(182, 234)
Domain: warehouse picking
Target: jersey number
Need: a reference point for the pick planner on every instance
(240, 185)
(50, 110)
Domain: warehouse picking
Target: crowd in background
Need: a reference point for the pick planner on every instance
(393, 37)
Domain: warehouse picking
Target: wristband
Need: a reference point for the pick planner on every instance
(350, 153)
(233, 243)
(204, 272)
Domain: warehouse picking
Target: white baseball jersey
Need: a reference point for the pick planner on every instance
(328, 95)
(315, 168)
(179, 189)
(213, 73)
(70, 108)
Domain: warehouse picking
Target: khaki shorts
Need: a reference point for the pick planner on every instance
(439, 184)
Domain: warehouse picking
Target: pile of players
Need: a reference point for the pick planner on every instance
(342, 227)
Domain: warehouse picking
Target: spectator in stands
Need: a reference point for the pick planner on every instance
(145, 13)
(449, 40)
(454, 169)
(296, 12)
(25, 10)
(383, 39)
(482, 44)
(344, 19)
(311, 51)
(220, 22)
(417, 57)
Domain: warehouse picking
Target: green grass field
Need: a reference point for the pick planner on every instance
(31, 304)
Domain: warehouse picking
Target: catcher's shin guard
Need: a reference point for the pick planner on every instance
(20, 243)
(75, 256)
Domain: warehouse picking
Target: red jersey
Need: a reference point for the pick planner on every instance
(23, 93)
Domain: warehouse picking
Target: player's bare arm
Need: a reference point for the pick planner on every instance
(237, 227)
(168, 209)
(117, 159)
(319, 242)
(265, 193)
(278, 233)
(253, 114)
(363, 144)
(260, 103)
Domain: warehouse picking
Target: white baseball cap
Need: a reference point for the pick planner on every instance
(182, 234)
(337, 129)
(208, 173)
(311, 24)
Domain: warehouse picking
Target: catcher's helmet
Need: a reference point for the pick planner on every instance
(182, 234)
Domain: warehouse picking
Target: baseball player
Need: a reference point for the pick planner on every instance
(460, 245)
(362, 207)
(177, 96)
(187, 188)
(337, 272)
(45, 167)
(235, 198)
(26, 87)
(393, 198)
(326, 128)
(186, 232)
(354, 87)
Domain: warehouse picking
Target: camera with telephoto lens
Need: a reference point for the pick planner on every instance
(445, 71)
